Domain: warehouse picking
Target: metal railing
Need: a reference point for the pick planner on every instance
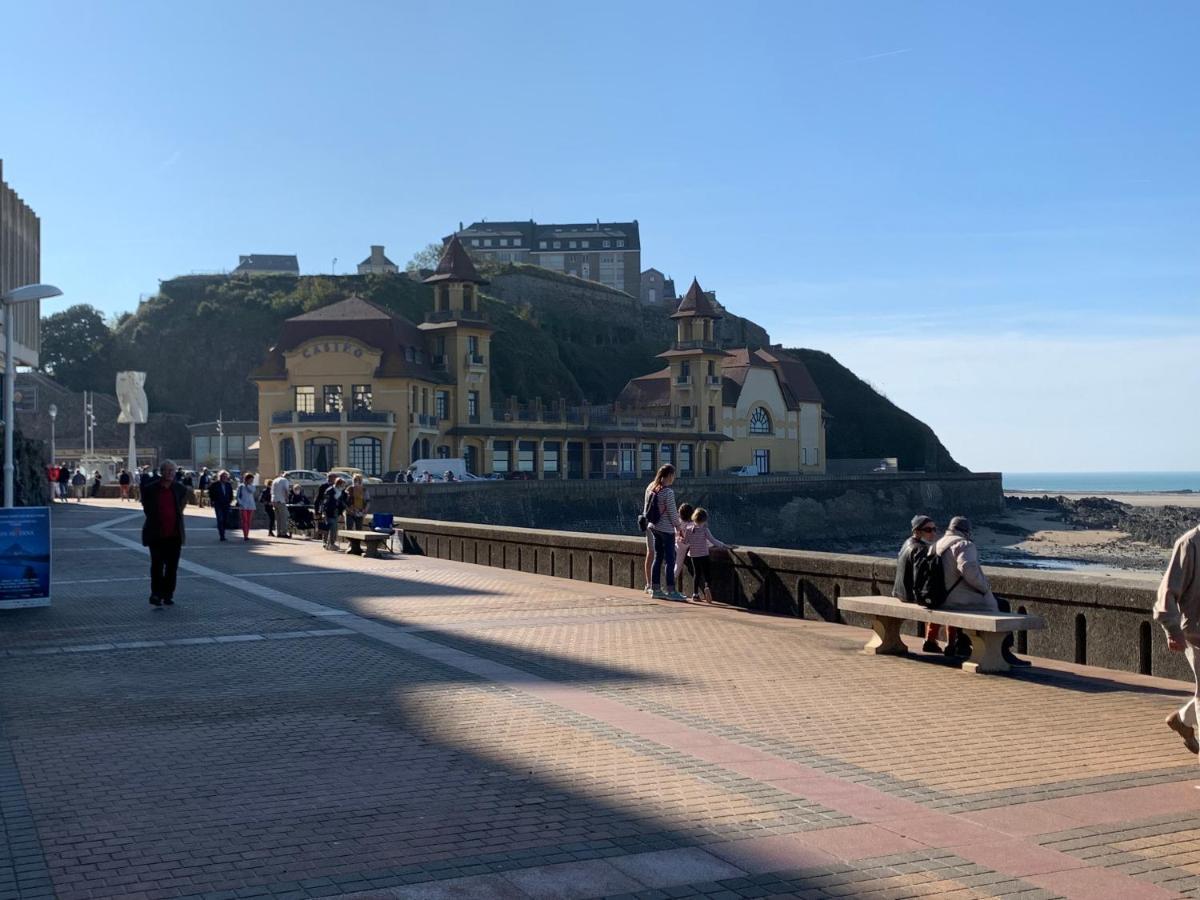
(295, 417)
(474, 359)
(449, 315)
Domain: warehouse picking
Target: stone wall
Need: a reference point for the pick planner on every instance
(778, 511)
(1090, 619)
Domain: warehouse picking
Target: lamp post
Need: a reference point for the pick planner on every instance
(25, 294)
(53, 410)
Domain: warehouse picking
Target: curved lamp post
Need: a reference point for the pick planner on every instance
(24, 294)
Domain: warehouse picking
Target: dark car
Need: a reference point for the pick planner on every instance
(519, 476)
(395, 476)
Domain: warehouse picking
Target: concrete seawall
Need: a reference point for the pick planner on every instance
(1090, 619)
(771, 510)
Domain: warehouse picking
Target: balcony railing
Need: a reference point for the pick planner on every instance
(422, 419)
(293, 417)
(713, 380)
(683, 381)
(449, 315)
(474, 359)
(600, 416)
(695, 345)
(438, 361)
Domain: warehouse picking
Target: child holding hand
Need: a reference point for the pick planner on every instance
(699, 539)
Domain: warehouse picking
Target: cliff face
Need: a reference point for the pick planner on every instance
(556, 336)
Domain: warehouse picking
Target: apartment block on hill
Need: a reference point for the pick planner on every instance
(607, 252)
(267, 264)
(20, 264)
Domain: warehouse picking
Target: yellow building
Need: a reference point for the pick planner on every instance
(352, 384)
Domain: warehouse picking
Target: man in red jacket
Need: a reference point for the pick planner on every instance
(163, 500)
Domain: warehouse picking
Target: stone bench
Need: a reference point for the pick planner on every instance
(371, 540)
(987, 630)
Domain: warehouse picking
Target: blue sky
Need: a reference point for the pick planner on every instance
(991, 211)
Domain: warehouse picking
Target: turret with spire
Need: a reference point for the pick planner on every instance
(696, 360)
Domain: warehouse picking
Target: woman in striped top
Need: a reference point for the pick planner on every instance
(664, 529)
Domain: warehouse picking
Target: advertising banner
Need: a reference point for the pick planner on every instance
(24, 557)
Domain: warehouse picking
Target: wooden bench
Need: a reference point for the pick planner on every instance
(987, 630)
(371, 539)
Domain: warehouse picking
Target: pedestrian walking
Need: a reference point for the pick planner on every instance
(279, 498)
(123, 481)
(1177, 610)
(64, 481)
(163, 500)
(78, 484)
(333, 504)
(662, 518)
(204, 482)
(246, 504)
(220, 493)
(96, 481)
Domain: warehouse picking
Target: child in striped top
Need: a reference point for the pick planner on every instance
(682, 560)
(698, 539)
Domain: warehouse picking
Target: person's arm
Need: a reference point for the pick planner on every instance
(669, 509)
(1181, 570)
(713, 540)
(966, 556)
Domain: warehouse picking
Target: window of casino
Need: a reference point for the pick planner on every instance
(647, 459)
(306, 398)
(473, 406)
(441, 404)
(320, 454)
(501, 456)
(362, 397)
(666, 454)
(366, 453)
(287, 454)
(526, 456)
(332, 398)
(685, 459)
(550, 458)
(760, 421)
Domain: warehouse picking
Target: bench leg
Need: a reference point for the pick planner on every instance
(372, 550)
(886, 640)
(355, 547)
(986, 658)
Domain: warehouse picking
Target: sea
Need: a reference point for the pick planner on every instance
(1102, 482)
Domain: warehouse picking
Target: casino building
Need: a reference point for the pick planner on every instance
(352, 384)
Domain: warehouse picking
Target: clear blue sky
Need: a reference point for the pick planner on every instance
(990, 210)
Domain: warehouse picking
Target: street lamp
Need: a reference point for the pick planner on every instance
(24, 294)
(53, 410)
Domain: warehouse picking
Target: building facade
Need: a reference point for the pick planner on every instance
(20, 264)
(354, 384)
(267, 264)
(229, 444)
(657, 288)
(607, 252)
(377, 263)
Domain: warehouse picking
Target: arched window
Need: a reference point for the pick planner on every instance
(287, 454)
(366, 453)
(320, 454)
(760, 421)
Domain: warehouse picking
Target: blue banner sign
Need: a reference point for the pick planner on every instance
(24, 557)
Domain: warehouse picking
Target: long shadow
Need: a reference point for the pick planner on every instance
(338, 761)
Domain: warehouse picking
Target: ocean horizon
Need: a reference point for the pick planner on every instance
(1106, 482)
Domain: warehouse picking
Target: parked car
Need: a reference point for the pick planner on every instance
(520, 476)
(394, 476)
(348, 474)
(744, 471)
(304, 477)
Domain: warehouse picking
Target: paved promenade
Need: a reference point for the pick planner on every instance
(307, 724)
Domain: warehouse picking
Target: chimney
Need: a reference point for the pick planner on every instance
(377, 253)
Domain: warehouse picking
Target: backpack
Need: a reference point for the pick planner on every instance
(653, 507)
(928, 577)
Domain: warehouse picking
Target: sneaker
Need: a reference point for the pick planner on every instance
(648, 590)
(930, 646)
(154, 601)
(1175, 723)
(695, 598)
(658, 594)
(676, 596)
(167, 601)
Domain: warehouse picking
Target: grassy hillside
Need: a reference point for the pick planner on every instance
(866, 424)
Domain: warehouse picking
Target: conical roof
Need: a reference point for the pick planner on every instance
(695, 303)
(455, 265)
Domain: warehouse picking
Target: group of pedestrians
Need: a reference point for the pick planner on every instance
(334, 500)
(677, 537)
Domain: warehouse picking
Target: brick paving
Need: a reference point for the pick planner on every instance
(307, 724)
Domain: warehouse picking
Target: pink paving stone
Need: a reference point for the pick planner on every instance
(1016, 857)
(941, 830)
(860, 841)
(1099, 884)
(1025, 819)
(772, 770)
(1128, 804)
(771, 854)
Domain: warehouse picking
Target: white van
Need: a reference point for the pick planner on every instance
(744, 471)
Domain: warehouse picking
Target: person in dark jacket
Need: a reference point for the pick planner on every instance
(97, 479)
(220, 492)
(163, 501)
(64, 482)
(924, 533)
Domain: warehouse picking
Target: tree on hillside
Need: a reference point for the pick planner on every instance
(77, 349)
(425, 259)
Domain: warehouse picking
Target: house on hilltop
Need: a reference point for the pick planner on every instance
(377, 263)
(607, 252)
(267, 264)
(657, 288)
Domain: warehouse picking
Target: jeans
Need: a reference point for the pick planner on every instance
(664, 555)
(164, 563)
(222, 513)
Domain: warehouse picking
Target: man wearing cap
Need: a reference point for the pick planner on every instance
(923, 534)
(1177, 609)
(970, 591)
